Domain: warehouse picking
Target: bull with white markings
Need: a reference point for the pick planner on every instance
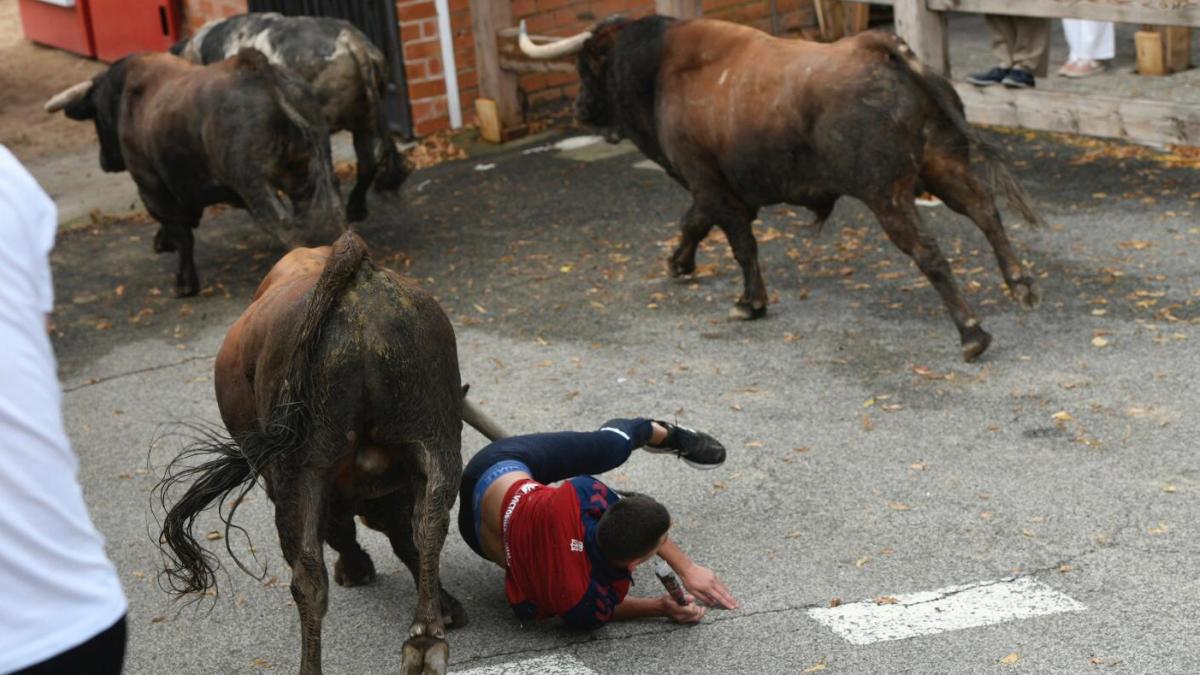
(348, 73)
(743, 120)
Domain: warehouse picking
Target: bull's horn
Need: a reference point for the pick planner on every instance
(553, 50)
(67, 96)
(483, 424)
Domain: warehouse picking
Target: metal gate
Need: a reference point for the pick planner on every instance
(376, 19)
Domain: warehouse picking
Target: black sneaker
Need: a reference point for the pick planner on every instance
(1019, 78)
(994, 76)
(697, 448)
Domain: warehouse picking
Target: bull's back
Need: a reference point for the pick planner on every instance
(782, 119)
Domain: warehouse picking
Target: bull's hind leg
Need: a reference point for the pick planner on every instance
(299, 508)
(435, 486)
(176, 223)
(353, 566)
(393, 515)
(952, 180)
(900, 221)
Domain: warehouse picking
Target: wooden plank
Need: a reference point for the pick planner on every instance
(684, 9)
(1139, 120)
(1159, 12)
(858, 17)
(1149, 53)
(494, 82)
(1178, 48)
(925, 32)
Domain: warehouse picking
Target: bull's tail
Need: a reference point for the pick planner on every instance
(372, 71)
(939, 89)
(231, 466)
(298, 103)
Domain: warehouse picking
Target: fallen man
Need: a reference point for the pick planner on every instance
(570, 550)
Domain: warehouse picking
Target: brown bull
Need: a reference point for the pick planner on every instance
(743, 120)
(339, 386)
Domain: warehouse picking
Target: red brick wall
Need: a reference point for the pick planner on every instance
(196, 13)
(422, 46)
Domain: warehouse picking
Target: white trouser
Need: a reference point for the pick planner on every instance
(1090, 40)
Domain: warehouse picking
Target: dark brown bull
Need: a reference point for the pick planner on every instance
(238, 132)
(339, 386)
(743, 120)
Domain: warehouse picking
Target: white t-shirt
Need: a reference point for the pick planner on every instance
(57, 586)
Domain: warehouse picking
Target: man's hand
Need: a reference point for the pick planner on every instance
(707, 587)
(689, 613)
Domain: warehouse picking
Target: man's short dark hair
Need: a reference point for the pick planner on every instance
(632, 527)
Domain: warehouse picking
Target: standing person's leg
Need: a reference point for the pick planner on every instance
(1073, 31)
(1031, 46)
(1004, 35)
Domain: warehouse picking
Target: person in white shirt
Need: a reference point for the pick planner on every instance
(62, 609)
(1091, 42)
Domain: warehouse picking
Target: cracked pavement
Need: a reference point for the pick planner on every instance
(865, 458)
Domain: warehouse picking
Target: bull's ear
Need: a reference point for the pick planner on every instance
(82, 108)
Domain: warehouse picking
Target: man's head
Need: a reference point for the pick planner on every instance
(632, 530)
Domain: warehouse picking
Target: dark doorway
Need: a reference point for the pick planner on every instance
(375, 18)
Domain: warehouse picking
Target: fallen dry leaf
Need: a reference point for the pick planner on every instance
(213, 536)
(835, 602)
(818, 666)
(862, 562)
(899, 506)
(886, 600)
(1161, 528)
(1065, 567)
(1011, 659)
(1168, 488)
(1099, 342)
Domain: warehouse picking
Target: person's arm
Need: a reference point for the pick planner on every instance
(663, 605)
(697, 578)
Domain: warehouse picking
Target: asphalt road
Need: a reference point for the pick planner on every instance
(866, 459)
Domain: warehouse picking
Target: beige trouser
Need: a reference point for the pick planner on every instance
(1021, 42)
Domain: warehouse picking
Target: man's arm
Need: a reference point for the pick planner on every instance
(640, 608)
(697, 578)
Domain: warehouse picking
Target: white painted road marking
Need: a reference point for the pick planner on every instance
(554, 664)
(943, 610)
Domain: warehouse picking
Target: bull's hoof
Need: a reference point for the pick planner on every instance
(680, 269)
(425, 655)
(975, 345)
(354, 570)
(747, 312)
(1025, 293)
(163, 243)
(356, 211)
(187, 290)
(453, 614)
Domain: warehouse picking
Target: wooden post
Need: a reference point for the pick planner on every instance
(684, 9)
(1178, 48)
(925, 32)
(488, 16)
(1149, 53)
